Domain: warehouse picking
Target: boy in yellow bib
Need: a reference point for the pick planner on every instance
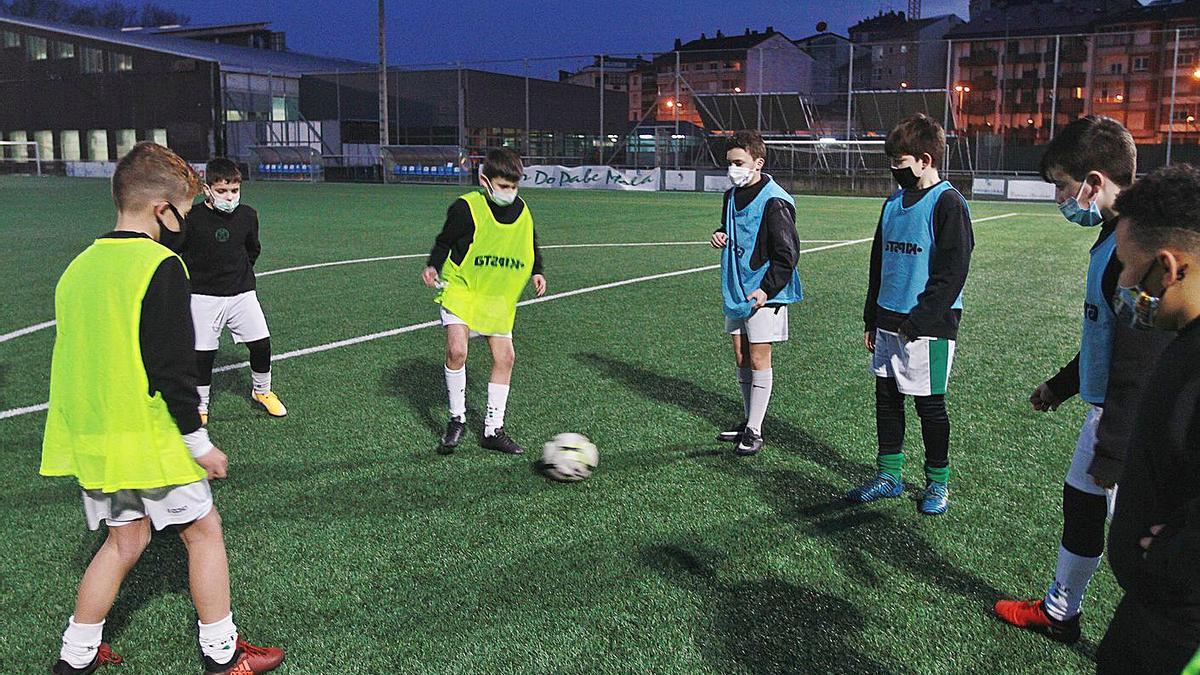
(123, 418)
(485, 254)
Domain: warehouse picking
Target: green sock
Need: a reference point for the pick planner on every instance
(937, 474)
(892, 464)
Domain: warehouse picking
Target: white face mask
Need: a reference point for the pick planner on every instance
(226, 205)
(500, 197)
(740, 175)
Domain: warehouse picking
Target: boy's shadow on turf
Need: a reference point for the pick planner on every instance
(420, 382)
(767, 625)
(862, 536)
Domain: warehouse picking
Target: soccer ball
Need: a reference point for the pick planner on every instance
(569, 457)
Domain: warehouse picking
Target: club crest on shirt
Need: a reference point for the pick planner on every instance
(222, 235)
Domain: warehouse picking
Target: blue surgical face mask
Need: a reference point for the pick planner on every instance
(1134, 306)
(1075, 213)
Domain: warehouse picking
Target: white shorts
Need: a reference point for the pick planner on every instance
(449, 319)
(241, 313)
(921, 367)
(765, 324)
(166, 506)
(1085, 449)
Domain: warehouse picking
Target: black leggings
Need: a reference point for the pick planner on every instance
(260, 360)
(1084, 516)
(889, 422)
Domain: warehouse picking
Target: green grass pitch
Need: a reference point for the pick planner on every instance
(357, 548)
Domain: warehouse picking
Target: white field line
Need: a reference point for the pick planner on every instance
(299, 268)
(17, 412)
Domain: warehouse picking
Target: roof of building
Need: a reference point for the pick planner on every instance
(1159, 11)
(218, 28)
(230, 57)
(1040, 18)
(895, 21)
(815, 36)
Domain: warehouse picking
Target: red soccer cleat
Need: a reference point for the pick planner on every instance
(247, 660)
(104, 655)
(1031, 615)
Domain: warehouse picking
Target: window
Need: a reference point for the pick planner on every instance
(1116, 68)
(278, 108)
(1077, 94)
(35, 48)
(1187, 58)
(91, 60)
(45, 141)
(126, 139)
(1136, 120)
(63, 50)
(159, 136)
(98, 145)
(19, 151)
(1187, 32)
(11, 39)
(121, 63)
(1141, 64)
(68, 140)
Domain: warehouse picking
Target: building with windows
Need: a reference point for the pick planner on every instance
(895, 52)
(753, 62)
(1142, 56)
(615, 70)
(87, 93)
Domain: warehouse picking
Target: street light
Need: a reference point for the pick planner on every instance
(961, 89)
(904, 84)
(1196, 74)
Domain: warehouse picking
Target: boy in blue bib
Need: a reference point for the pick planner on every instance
(759, 251)
(919, 264)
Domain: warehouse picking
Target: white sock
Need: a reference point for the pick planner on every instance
(205, 390)
(218, 640)
(262, 381)
(456, 387)
(497, 399)
(744, 381)
(1065, 595)
(80, 642)
(760, 396)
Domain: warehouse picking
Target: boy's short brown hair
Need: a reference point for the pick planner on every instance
(750, 141)
(917, 135)
(504, 163)
(1092, 143)
(220, 169)
(150, 173)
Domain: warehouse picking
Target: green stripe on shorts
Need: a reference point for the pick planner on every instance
(939, 365)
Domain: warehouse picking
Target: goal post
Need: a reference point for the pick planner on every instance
(26, 154)
(828, 155)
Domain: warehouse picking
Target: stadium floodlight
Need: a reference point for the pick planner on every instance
(646, 137)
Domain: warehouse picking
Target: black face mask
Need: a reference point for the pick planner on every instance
(169, 238)
(905, 177)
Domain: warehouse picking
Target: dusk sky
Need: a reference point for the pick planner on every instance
(474, 30)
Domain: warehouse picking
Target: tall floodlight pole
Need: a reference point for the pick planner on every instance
(1171, 117)
(602, 88)
(383, 84)
(849, 105)
(675, 138)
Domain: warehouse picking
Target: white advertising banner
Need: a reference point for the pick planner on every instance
(679, 180)
(717, 183)
(991, 187)
(91, 169)
(591, 178)
(1031, 190)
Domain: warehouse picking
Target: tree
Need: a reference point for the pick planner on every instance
(110, 14)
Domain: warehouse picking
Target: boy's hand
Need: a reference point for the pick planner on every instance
(719, 239)
(869, 340)
(758, 297)
(1147, 542)
(1044, 400)
(430, 276)
(214, 462)
(539, 285)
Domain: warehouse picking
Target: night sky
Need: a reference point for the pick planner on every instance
(470, 30)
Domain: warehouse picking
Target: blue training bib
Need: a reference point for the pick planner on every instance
(908, 248)
(1099, 326)
(738, 278)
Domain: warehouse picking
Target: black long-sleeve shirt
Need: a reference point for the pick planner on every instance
(167, 340)
(777, 241)
(954, 239)
(220, 250)
(459, 231)
(1161, 485)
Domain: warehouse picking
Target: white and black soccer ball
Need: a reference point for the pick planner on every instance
(569, 457)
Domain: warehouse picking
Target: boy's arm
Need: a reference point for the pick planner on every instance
(168, 351)
(537, 256)
(458, 225)
(724, 211)
(253, 245)
(1065, 382)
(948, 270)
(783, 246)
(869, 307)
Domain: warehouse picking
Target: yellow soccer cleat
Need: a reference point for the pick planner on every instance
(271, 402)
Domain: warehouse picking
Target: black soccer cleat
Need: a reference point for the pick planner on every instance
(732, 435)
(104, 655)
(453, 436)
(500, 442)
(750, 443)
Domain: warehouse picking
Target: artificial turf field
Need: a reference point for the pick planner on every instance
(358, 549)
